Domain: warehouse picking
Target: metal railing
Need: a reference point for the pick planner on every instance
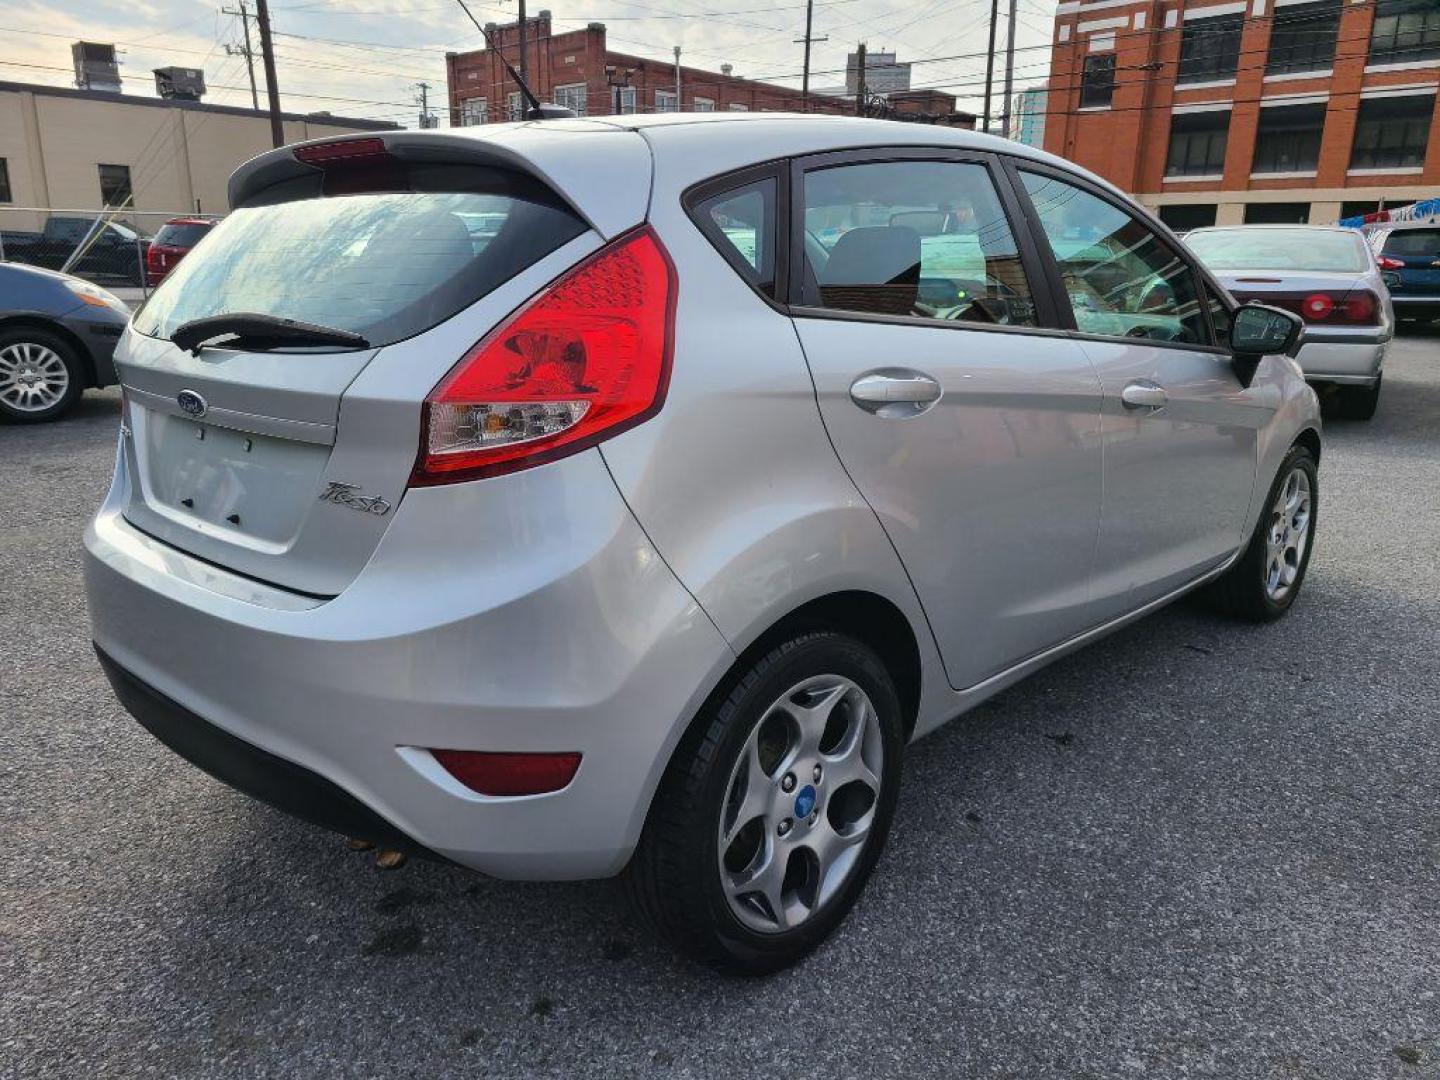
(107, 247)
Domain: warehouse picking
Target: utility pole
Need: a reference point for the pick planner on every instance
(990, 62)
(807, 39)
(426, 120)
(267, 55)
(524, 60)
(860, 80)
(677, 78)
(246, 51)
(1009, 73)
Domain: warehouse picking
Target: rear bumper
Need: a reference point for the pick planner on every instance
(1347, 362)
(1415, 307)
(471, 629)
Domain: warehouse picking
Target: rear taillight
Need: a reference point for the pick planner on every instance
(1387, 263)
(585, 359)
(1338, 307)
(509, 774)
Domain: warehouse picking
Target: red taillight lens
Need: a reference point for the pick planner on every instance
(586, 358)
(509, 774)
(1317, 306)
(1387, 263)
(1360, 307)
(345, 150)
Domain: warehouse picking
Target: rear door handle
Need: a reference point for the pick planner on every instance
(895, 392)
(1143, 395)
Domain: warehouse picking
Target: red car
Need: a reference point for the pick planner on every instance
(176, 237)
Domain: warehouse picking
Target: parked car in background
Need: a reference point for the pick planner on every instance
(171, 244)
(113, 252)
(709, 515)
(1330, 278)
(57, 337)
(1411, 254)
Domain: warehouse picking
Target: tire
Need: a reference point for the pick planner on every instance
(1248, 590)
(1358, 402)
(775, 813)
(28, 353)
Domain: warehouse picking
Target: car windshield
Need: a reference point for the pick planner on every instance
(1279, 249)
(385, 266)
(1413, 243)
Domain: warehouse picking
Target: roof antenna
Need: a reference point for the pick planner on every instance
(537, 110)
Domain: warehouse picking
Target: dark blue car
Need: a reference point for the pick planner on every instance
(1412, 254)
(57, 334)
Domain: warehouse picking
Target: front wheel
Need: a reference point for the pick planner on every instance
(775, 808)
(1263, 584)
(40, 376)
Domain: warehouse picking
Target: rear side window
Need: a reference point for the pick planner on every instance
(182, 236)
(1413, 243)
(741, 224)
(913, 238)
(385, 265)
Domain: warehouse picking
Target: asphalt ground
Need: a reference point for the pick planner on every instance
(1194, 849)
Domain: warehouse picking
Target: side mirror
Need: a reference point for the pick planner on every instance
(1257, 330)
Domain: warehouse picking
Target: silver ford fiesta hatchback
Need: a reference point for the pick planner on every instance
(583, 497)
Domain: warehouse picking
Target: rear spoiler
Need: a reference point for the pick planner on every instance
(601, 171)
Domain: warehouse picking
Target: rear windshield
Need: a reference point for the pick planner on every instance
(1413, 243)
(185, 236)
(1279, 249)
(385, 265)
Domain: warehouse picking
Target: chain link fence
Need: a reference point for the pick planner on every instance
(108, 247)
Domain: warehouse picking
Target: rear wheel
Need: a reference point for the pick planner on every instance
(40, 375)
(774, 808)
(1263, 584)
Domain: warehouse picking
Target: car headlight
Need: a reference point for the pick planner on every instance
(98, 297)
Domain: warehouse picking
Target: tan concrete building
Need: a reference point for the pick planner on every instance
(83, 149)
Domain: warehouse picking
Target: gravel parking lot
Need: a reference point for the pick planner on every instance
(1195, 849)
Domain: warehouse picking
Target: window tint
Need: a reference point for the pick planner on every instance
(1288, 138)
(924, 238)
(1097, 81)
(1197, 143)
(1302, 37)
(741, 225)
(1120, 279)
(1405, 31)
(1392, 133)
(1209, 49)
(385, 265)
(1413, 243)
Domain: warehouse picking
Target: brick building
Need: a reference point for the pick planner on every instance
(1257, 110)
(576, 69)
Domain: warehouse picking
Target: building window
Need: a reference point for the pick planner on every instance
(665, 101)
(115, 185)
(1277, 213)
(5, 195)
(1405, 31)
(1097, 82)
(704, 104)
(735, 106)
(1288, 139)
(474, 111)
(1197, 143)
(513, 109)
(1182, 217)
(1391, 133)
(1209, 48)
(572, 97)
(1302, 37)
(622, 101)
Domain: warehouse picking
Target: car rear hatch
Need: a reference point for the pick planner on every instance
(283, 459)
(1418, 252)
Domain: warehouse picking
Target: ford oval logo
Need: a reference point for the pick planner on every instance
(191, 403)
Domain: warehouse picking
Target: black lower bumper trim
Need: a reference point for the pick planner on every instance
(242, 765)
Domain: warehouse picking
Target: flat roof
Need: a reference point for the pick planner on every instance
(192, 106)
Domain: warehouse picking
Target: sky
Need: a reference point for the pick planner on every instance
(365, 57)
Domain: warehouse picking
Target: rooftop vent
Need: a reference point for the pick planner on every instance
(96, 67)
(726, 69)
(180, 83)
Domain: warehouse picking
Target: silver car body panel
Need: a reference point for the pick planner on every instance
(593, 603)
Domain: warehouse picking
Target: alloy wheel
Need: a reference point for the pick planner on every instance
(33, 377)
(800, 803)
(1288, 534)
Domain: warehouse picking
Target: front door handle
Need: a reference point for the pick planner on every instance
(895, 392)
(1143, 395)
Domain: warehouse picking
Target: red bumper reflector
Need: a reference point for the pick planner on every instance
(509, 774)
